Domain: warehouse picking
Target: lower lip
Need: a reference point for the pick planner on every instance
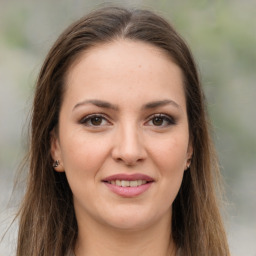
(129, 191)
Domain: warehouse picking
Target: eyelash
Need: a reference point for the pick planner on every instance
(87, 120)
(169, 120)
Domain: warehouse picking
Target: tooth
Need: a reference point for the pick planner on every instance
(139, 182)
(127, 183)
(124, 183)
(133, 183)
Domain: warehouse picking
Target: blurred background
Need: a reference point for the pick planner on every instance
(222, 36)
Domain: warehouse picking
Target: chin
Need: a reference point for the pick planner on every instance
(129, 223)
(133, 219)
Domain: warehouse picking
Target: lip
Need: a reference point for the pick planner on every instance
(128, 191)
(129, 177)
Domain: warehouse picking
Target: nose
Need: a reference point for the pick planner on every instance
(129, 146)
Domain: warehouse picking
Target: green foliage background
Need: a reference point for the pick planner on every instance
(222, 36)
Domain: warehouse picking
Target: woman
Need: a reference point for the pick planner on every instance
(120, 161)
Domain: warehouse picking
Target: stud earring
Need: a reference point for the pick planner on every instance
(188, 164)
(56, 164)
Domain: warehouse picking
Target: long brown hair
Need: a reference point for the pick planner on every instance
(47, 219)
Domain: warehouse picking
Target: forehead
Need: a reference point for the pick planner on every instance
(122, 52)
(124, 65)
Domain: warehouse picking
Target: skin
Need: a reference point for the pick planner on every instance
(127, 139)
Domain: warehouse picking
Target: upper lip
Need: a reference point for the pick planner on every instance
(129, 177)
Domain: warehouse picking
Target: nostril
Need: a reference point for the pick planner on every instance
(129, 150)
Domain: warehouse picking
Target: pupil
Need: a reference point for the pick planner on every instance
(158, 121)
(96, 120)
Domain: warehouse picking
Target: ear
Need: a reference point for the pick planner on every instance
(189, 155)
(56, 151)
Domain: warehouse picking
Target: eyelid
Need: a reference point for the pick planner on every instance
(166, 118)
(90, 116)
(170, 119)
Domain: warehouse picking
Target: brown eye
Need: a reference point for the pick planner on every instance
(94, 120)
(161, 120)
(97, 120)
(158, 121)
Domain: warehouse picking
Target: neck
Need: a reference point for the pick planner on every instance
(95, 239)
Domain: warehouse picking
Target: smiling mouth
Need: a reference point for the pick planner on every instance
(128, 183)
(128, 180)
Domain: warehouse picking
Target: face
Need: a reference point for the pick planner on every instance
(123, 137)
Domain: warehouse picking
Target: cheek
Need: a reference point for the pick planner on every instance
(83, 154)
(170, 159)
(170, 154)
(83, 159)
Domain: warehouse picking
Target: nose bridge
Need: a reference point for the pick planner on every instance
(129, 146)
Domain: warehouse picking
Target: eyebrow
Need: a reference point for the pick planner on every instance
(107, 105)
(98, 103)
(160, 103)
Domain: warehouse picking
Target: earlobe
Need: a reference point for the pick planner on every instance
(189, 156)
(188, 163)
(57, 163)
